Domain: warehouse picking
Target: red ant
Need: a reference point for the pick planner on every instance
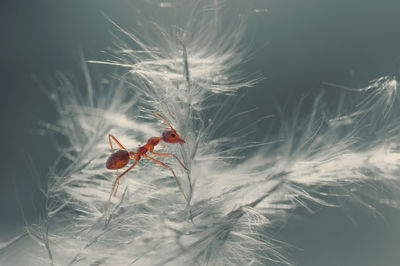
(121, 158)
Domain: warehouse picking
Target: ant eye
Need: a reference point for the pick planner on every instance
(173, 135)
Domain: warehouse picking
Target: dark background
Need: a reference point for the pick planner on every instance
(298, 45)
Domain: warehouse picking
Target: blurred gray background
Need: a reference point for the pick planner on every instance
(300, 43)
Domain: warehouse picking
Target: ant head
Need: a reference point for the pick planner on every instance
(171, 136)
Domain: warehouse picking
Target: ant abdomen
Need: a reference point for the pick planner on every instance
(117, 160)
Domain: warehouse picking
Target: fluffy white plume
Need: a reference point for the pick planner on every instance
(183, 74)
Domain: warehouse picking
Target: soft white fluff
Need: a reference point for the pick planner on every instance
(183, 74)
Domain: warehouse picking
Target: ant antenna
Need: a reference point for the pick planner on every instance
(162, 119)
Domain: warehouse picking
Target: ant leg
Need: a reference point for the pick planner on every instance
(170, 154)
(173, 173)
(116, 141)
(117, 181)
(115, 193)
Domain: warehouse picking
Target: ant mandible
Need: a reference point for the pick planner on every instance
(121, 158)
